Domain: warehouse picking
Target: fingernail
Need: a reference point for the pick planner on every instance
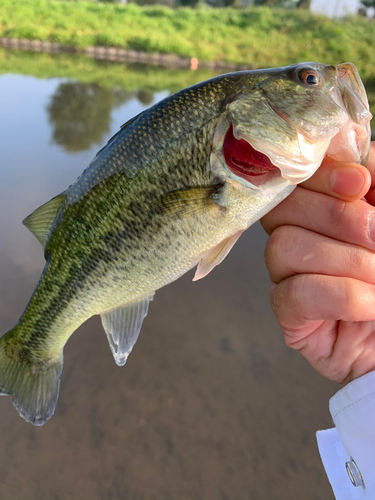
(371, 227)
(347, 181)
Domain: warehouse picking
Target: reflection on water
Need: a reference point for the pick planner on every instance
(210, 405)
(145, 97)
(80, 113)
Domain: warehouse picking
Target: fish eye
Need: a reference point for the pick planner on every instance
(309, 77)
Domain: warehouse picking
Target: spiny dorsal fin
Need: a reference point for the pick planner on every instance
(215, 256)
(132, 120)
(122, 326)
(125, 125)
(40, 221)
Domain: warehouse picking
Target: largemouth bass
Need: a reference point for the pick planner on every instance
(173, 189)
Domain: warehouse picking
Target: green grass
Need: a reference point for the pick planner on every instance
(260, 37)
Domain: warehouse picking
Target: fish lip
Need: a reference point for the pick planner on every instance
(357, 93)
(357, 132)
(350, 94)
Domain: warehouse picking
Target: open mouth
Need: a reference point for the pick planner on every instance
(246, 162)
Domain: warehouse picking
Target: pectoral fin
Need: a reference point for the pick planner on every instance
(190, 200)
(215, 256)
(40, 221)
(122, 326)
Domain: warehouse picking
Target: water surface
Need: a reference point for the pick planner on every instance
(210, 405)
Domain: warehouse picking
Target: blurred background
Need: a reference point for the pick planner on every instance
(211, 404)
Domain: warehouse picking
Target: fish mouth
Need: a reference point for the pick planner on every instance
(246, 162)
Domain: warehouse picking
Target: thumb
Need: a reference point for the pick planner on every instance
(347, 181)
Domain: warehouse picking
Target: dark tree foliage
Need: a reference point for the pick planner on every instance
(366, 4)
(168, 3)
(225, 3)
(188, 3)
(303, 4)
(145, 97)
(81, 114)
(285, 4)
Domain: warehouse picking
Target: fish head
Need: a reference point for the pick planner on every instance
(281, 123)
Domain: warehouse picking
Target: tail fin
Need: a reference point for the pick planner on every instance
(35, 388)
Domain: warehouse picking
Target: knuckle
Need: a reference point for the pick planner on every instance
(286, 296)
(349, 220)
(298, 288)
(352, 298)
(355, 259)
(273, 248)
(268, 223)
(291, 340)
(280, 246)
(287, 300)
(337, 213)
(347, 297)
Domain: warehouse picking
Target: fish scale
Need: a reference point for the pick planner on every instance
(159, 199)
(88, 247)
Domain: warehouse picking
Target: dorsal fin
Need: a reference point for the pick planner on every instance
(125, 125)
(40, 221)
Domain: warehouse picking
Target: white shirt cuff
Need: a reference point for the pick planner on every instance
(353, 412)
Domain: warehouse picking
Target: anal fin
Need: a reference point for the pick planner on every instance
(122, 326)
(215, 256)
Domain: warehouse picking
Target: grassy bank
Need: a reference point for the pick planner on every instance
(256, 36)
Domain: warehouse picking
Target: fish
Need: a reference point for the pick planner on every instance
(173, 189)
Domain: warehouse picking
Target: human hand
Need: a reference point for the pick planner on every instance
(321, 261)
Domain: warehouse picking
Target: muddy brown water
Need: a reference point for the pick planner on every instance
(211, 404)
